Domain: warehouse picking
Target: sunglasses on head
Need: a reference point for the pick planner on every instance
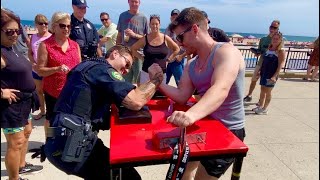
(102, 20)
(11, 32)
(43, 23)
(64, 26)
(273, 27)
(179, 37)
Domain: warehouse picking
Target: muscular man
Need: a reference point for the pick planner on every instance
(217, 73)
(84, 108)
(83, 31)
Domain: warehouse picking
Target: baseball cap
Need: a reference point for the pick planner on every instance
(175, 11)
(206, 15)
(79, 3)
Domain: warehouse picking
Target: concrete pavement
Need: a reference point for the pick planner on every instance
(283, 145)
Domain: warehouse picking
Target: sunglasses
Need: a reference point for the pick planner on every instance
(11, 32)
(273, 27)
(128, 63)
(102, 20)
(179, 37)
(41, 24)
(64, 26)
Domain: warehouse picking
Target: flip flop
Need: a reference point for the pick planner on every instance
(39, 116)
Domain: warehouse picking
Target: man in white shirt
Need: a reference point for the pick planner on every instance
(108, 32)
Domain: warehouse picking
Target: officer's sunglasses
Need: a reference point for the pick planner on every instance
(64, 26)
(128, 63)
(11, 32)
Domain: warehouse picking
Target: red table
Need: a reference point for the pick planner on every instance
(131, 144)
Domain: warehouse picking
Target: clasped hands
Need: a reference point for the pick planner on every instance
(155, 73)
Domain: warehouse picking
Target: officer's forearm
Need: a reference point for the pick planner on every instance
(136, 99)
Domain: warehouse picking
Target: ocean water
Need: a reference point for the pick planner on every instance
(287, 37)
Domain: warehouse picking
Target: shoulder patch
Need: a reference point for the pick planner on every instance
(115, 75)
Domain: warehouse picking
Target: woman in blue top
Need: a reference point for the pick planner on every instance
(273, 61)
(155, 49)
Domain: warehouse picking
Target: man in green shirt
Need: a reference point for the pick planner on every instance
(262, 48)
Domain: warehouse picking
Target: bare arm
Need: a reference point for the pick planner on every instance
(183, 92)
(138, 97)
(281, 57)
(136, 46)
(42, 68)
(30, 56)
(173, 46)
(79, 52)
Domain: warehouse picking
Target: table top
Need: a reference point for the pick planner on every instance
(134, 143)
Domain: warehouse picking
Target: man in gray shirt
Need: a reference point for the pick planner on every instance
(132, 26)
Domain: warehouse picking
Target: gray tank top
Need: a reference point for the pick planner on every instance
(231, 112)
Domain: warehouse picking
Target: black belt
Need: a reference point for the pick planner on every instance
(58, 131)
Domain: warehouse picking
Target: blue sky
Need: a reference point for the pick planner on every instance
(297, 17)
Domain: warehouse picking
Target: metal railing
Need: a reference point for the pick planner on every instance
(296, 59)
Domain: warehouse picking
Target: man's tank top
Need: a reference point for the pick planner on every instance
(35, 42)
(231, 111)
(155, 54)
(17, 73)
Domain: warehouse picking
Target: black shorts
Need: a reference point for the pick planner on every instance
(50, 103)
(15, 114)
(217, 167)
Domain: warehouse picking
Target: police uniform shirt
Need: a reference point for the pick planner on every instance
(106, 86)
(83, 32)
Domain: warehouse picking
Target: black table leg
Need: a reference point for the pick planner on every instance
(236, 169)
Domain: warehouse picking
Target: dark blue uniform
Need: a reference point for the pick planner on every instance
(90, 89)
(86, 35)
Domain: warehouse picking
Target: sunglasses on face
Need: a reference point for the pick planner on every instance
(128, 63)
(64, 26)
(41, 24)
(102, 20)
(11, 32)
(179, 37)
(273, 27)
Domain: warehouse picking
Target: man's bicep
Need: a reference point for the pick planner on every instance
(226, 68)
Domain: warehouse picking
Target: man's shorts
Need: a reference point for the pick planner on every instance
(36, 76)
(217, 167)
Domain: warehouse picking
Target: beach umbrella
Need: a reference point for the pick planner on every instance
(236, 36)
(251, 37)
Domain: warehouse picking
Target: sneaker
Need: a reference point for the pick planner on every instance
(256, 108)
(30, 168)
(247, 99)
(261, 111)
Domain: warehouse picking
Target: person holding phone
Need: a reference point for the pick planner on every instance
(273, 61)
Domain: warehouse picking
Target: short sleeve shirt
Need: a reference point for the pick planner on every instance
(138, 23)
(110, 32)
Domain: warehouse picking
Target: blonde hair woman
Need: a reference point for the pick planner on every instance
(41, 22)
(273, 61)
(56, 56)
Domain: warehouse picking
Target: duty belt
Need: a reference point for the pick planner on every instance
(180, 158)
(58, 131)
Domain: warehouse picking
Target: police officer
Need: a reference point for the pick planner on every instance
(83, 108)
(83, 31)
